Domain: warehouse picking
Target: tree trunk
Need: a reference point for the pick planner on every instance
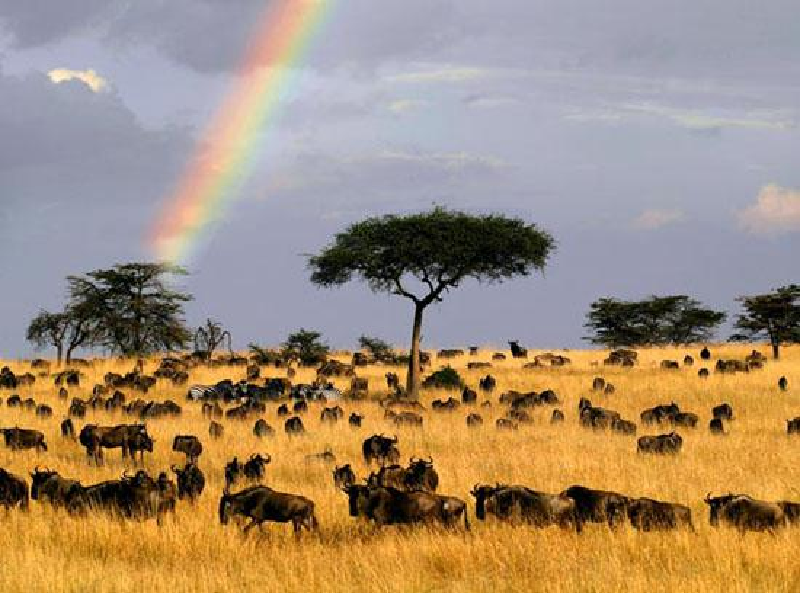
(412, 384)
(775, 349)
(59, 354)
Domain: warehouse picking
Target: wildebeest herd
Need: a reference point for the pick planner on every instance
(392, 493)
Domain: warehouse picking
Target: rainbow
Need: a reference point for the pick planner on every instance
(222, 157)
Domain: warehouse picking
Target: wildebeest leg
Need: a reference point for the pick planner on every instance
(252, 524)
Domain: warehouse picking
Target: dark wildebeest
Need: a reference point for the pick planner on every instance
(212, 410)
(598, 384)
(669, 364)
(716, 426)
(44, 411)
(13, 491)
(407, 419)
(141, 442)
(380, 448)
(647, 515)
(783, 384)
(48, 486)
(745, 513)
(703, 373)
(596, 417)
(294, 426)
(688, 360)
(661, 444)
(623, 426)
(24, 438)
(77, 408)
(609, 389)
(793, 426)
(262, 429)
(420, 475)
(392, 381)
(521, 504)
(488, 383)
(474, 420)
(191, 481)
(67, 429)
(660, 413)
(215, 430)
(389, 476)
(300, 407)
(344, 476)
(517, 351)
(505, 424)
(447, 405)
(95, 438)
(261, 504)
(388, 506)
(283, 410)
(685, 419)
(723, 411)
(791, 511)
(469, 396)
(556, 417)
(705, 354)
(189, 445)
(252, 469)
(331, 415)
(355, 420)
(597, 506)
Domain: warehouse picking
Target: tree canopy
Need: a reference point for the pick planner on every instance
(306, 346)
(774, 316)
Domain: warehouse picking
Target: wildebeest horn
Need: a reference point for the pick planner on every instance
(708, 497)
(430, 459)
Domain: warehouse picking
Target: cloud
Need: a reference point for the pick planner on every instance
(406, 105)
(710, 120)
(451, 74)
(489, 101)
(88, 77)
(776, 212)
(656, 219)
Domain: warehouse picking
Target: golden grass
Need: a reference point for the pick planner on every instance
(47, 550)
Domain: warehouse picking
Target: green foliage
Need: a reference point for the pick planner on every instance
(305, 345)
(378, 349)
(775, 316)
(674, 319)
(446, 377)
(264, 356)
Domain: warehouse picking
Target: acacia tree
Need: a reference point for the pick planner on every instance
(421, 256)
(775, 315)
(305, 345)
(209, 337)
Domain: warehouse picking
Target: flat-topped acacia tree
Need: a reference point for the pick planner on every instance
(421, 256)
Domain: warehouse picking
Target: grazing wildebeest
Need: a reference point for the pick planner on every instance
(380, 448)
(447, 405)
(661, 444)
(77, 408)
(793, 426)
(520, 416)
(505, 424)
(488, 383)
(521, 504)
(261, 504)
(685, 419)
(191, 481)
(703, 373)
(597, 506)
(283, 410)
(660, 413)
(13, 491)
(215, 430)
(705, 354)
(407, 419)
(598, 384)
(294, 426)
(517, 351)
(262, 429)
(783, 384)
(688, 360)
(48, 486)
(469, 396)
(609, 389)
(474, 420)
(44, 411)
(647, 514)
(300, 407)
(14, 401)
(344, 476)
(723, 411)
(388, 506)
(24, 438)
(716, 426)
(67, 429)
(595, 417)
(623, 426)
(332, 415)
(498, 356)
(421, 475)
(355, 420)
(189, 445)
(745, 513)
(556, 417)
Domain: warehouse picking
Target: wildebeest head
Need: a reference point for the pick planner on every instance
(38, 478)
(482, 493)
(344, 476)
(715, 506)
(421, 475)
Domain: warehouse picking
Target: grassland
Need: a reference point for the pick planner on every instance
(46, 550)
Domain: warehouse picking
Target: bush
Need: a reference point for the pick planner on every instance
(443, 378)
(377, 349)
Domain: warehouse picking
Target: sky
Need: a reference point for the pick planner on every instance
(658, 143)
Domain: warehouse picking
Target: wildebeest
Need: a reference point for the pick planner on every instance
(685, 419)
(300, 407)
(505, 424)
(556, 417)
(261, 504)
(128, 437)
(332, 415)
(355, 420)
(326, 456)
(407, 419)
(212, 410)
(215, 430)
(344, 476)
(703, 373)
(474, 420)
(141, 442)
(716, 426)
(597, 506)
(660, 413)
(596, 417)
(647, 514)
(381, 449)
(688, 360)
(283, 410)
(783, 384)
(13, 491)
(67, 429)
(488, 383)
(598, 384)
(77, 408)
(252, 469)
(388, 506)
(191, 481)
(744, 513)
(723, 411)
(623, 426)
(262, 429)
(447, 405)
(24, 438)
(517, 351)
(44, 411)
(669, 364)
(389, 476)
(48, 486)
(521, 504)
(469, 396)
(294, 426)
(793, 426)
(392, 381)
(662, 444)
(705, 354)
(189, 445)
(421, 475)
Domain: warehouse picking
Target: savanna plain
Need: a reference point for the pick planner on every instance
(49, 550)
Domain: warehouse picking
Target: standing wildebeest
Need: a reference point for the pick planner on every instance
(262, 429)
(389, 476)
(294, 426)
(13, 491)
(557, 417)
(685, 419)
(705, 354)
(355, 420)
(331, 415)
(723, 411)
(745, 513)
(474, 420)
(662, 444)
(252, 469)
(783, 384)
(191, 481)
(688, 360)
(215, 430)
(388, 506)
(505, 424)
(597, 506)
(703, 373)
(48, 486)
(380, 448)
(67, 429)
(283, 410)
(517, 351)
(189, 445)
(141, 442)
(647, 514)
(598, 384)
(407, 419)
(44, 411)
(24, 438)
(469, 396)
(129, 437)
(421, 475)
(261, 504)
(623, 426)
(518, 503)
(344, 476)
(716, 426)
(300, 407)
(392, 381)
(488, 383)
(793, 426)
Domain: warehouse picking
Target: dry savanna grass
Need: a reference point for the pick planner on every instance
(47, 550)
